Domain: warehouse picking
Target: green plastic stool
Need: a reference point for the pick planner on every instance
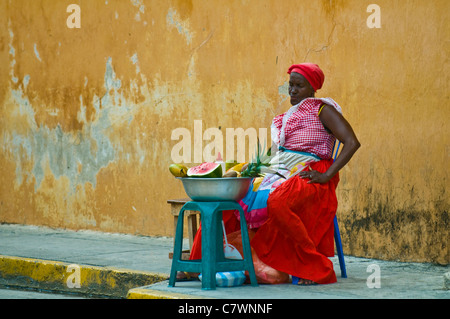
(213, 259)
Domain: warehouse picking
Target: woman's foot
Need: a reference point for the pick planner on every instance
(302, 282)
(184, 276)
(305, 282)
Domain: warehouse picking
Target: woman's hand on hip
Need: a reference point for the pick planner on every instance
(314, 176)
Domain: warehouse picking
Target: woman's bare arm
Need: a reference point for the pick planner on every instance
(339, 127)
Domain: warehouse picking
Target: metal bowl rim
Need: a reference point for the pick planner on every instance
(212, 178)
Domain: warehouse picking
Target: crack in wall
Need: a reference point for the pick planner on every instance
(329, 40)
(191, 65)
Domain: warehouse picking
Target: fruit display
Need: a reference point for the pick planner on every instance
(258, 167)
(205, 170)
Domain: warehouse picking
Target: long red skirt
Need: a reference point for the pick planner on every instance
(297, 237)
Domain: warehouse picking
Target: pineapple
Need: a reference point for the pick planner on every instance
(260, 165)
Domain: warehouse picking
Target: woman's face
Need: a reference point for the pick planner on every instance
(299, 88)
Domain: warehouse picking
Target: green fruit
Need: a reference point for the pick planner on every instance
(229, 164)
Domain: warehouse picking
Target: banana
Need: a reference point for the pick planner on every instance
(237, 167)
(178, 170)
(232, 173)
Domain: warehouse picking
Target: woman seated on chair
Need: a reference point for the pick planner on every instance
(291, 219)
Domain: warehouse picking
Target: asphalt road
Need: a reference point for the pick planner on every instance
(29, 294)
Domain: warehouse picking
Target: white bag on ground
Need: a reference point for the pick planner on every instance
(229, 278)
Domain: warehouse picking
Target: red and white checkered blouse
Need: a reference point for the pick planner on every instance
(300, 129)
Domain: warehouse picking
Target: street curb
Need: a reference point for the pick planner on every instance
(30, 273)
(147, 293)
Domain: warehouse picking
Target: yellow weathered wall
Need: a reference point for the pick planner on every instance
(86, 115)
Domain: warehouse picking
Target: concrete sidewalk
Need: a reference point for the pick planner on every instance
(126, 266)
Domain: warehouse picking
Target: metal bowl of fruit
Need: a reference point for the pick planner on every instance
(216, 189)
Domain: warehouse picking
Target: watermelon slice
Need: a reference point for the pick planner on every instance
(209, 170)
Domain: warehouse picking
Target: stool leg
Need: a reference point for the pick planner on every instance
(220, 254)
(208, 253)
(177, 250)
(247, 250)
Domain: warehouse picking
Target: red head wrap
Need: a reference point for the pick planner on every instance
(311, 72)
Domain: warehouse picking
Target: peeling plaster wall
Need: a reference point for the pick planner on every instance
(86, 114)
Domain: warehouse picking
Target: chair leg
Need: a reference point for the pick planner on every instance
(337, 239)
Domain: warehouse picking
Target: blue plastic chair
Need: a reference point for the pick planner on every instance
(213, 258)
(337, 236)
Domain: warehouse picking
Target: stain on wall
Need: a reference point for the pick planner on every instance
(86, 114)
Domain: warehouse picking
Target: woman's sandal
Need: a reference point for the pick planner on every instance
(302, 282)
(186, 276)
